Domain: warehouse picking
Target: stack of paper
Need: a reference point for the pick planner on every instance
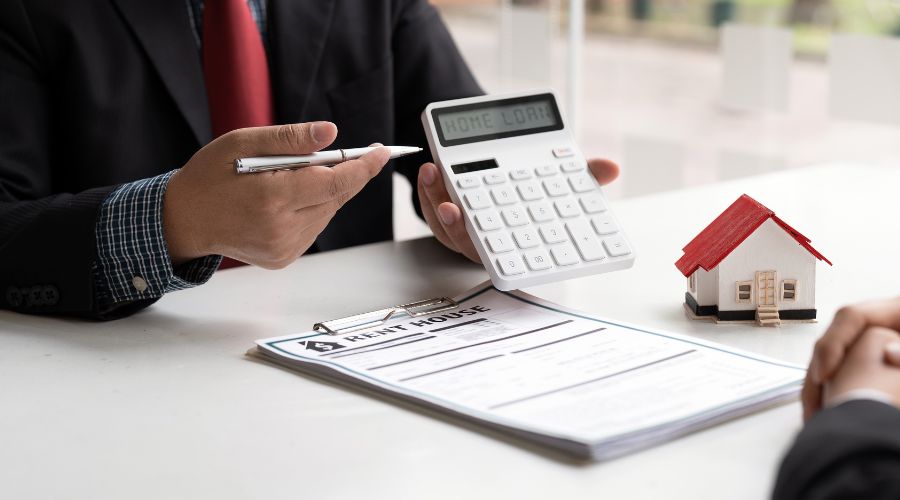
(587, 386)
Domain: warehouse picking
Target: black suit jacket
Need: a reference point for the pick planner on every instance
(848, 452)
(95, 93)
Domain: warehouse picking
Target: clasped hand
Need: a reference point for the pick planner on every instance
(859, 350)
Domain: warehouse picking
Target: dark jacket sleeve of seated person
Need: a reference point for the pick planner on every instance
(98, 93)
(851, 451)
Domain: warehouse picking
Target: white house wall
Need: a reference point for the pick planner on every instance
(707, 287)
(769, 248)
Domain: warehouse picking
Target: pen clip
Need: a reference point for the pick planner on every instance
(367, 320)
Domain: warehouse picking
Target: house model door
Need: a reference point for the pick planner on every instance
(765, 288)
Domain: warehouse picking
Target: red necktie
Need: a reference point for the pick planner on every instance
(236, 71)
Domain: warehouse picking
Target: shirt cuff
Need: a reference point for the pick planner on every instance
(866, 394)
(133, 260)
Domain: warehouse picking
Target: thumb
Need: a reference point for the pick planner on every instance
(605, 171)
(290, 139)
(892, 353)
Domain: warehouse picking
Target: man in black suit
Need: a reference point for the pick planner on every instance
(850, 447)
(102, 99)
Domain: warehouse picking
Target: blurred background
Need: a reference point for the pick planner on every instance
(685, 92)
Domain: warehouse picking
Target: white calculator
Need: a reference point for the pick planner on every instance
(531, 206)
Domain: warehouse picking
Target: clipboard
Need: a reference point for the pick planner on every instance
(372, 319)
(498, 354)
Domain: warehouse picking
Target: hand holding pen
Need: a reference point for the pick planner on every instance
(265, 220)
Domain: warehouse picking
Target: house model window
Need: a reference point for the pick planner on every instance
(692, 283)
(789, 290)
(743, 291)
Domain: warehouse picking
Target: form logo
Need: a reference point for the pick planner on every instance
(313, 345)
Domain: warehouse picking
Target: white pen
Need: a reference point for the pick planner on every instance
(321, 158)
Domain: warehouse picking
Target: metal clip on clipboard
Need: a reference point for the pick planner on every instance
(367, 320)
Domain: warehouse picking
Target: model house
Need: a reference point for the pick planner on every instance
(749, 265)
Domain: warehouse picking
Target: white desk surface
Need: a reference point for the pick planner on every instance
(165, 405)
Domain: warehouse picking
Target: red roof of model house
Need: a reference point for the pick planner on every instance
(729, 230)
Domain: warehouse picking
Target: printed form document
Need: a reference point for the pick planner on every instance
(589, 387)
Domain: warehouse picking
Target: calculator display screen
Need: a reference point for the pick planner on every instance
(486, 121)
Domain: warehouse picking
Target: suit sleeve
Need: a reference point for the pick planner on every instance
(427, 68)
(849, 451)
(47, 242)
(70, 253)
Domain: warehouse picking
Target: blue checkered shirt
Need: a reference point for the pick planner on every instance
(133, 262)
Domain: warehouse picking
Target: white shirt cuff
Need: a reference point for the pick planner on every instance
(864, 394)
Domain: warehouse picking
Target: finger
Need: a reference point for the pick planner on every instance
(449, 215)
(428, 175)
(810, 397)
(872, 346)
(605, 171)
(867, 349)
(879, 336)
(884, 313)
(334, 185)
(311, 214)
(892, 353)
(290, 139)
(296, 245)
(849, 323)
(452, 221)
(351, 176)
(846, 327)
(311, 232)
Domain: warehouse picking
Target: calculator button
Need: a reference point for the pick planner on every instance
(604, 224)
(499, 243)
(556, 187)
(541, 212)
(477, 199)
(503, 195)
(468, 182)
(538, 260)
(567, 208)
(520, 174)
(553, 233)
(530, 191)
(564, 255)
(515, 216)
(510, 265)
(526, 238)
(571, 166)
(488, 220)
(545, 170)
(593, 203)
(584, 239)
(616, 246)
(582, 183)
(494, 178)
(563, 152)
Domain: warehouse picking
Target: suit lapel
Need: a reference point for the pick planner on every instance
(164, 30)
(297, 35)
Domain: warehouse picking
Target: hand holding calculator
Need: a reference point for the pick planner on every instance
(533, 210)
